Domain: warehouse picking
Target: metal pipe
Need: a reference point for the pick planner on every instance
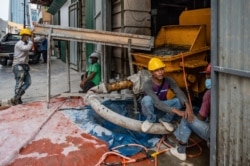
(49, 50)
(68, 66)
(126, 84)
(105, 77)
(130, 58)
(24, 10)
(231, 71)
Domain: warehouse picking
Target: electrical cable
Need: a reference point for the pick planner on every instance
(185, 80)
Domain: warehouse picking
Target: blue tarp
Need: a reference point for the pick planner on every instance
(114, 135)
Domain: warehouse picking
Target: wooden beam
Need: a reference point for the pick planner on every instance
(117, 39)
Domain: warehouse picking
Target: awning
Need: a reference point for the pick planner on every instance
(55, 6)
(41, 2)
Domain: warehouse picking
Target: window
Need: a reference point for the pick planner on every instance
(13, 37)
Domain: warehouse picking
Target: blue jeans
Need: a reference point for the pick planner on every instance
(22, 77)
(148, 108)
(199, 127)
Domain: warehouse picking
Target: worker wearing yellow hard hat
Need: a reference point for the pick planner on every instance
(155, 90)
(20, 65)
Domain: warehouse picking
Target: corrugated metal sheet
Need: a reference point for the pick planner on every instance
(231, 93)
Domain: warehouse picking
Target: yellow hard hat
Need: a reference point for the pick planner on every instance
(155, 63)
(25, 32)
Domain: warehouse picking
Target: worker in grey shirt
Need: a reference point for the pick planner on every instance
(20, 65)
(156, 90)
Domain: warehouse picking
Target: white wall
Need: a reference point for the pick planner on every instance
(65, 14)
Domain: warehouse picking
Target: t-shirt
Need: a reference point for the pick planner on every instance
(163, 91)
(151, 89)
(97, 69)
(206, 103)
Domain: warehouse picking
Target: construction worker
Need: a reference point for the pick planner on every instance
(155, 98)
(43, 48)
(93, 75)
(199, 125)
(20, 65)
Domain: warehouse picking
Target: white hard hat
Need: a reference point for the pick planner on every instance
(94, 55)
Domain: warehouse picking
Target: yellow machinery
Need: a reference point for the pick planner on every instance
(197, 17)
(183, 48)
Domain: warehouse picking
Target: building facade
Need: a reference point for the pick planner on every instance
(18, 10)
(3, 27)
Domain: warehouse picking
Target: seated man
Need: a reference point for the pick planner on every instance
(198, 126)
(93, 74)
(155, 98)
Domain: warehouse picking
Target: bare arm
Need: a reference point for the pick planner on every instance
(188, 113)
(87, 78)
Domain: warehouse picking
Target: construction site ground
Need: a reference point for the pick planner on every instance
(22, 144)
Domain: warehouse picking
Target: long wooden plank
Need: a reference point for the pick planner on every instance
(140, 42)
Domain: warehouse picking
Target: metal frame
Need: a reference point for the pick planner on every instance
(241, 73)
(216, 70)
(92, 36)
(214, 78)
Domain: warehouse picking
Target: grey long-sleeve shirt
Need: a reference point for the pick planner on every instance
(149, 86)
(21, 52)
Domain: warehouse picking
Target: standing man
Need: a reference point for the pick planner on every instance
(44, 47)
(20, 65)
(155, 98)
(93, 75)
(200, 124)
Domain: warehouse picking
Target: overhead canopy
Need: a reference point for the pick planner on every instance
(55, 6)
(42, 2)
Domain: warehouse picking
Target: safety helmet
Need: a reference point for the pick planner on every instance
(94, 55)
(208, 69)
(25, 31)
(155, 63)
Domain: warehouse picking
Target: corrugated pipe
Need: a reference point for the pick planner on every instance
(126, 84)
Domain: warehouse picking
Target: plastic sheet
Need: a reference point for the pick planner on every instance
(114, 135)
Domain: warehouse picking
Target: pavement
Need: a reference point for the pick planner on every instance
(38, 88)
(37, 94)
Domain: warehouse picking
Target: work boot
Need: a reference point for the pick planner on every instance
(12, 101)
(19, 101)
(19, 95)
(17, 98)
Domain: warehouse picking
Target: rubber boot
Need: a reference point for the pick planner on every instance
(17, 98)
(19, 95)
(12, 101)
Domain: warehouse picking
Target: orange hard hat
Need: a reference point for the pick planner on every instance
(208, 69)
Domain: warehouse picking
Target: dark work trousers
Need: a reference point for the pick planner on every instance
(87, 86)
(44, 54)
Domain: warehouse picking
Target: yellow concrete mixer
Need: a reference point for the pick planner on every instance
(184, 50)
